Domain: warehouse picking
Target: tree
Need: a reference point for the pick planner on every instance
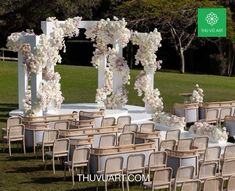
(176, 20)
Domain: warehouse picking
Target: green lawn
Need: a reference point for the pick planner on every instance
(79, 85)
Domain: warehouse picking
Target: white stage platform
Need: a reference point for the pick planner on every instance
(138, 114)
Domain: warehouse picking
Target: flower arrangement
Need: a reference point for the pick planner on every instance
(43, 59)
(214, 133)
(117, 100)
(169, 120)
(197, 95)
(148, 45)
(105, 33)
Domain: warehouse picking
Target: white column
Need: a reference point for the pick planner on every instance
(35, 78)
(117, 77)
(150, 76)
(101, 71)
(22, 81)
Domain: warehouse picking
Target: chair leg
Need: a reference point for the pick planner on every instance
(9, 147)
(122, 184)
(106, 185)
(127, 184)
(73, 175)
(53, 164)
(24, 146)
(43, 155)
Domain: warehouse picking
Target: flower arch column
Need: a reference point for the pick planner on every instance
(23, 78)
(117, 78)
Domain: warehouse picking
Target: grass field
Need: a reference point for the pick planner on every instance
(79, 85)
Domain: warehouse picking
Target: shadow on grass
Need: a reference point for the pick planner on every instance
(5, 108)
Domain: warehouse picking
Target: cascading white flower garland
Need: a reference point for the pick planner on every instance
(148, 44)
(45, 57)
(104, 34)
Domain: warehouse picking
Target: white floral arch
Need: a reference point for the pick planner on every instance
(39, 87)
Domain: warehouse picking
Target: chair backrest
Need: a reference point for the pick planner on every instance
(224, 111)
(211, 115)
(231, 183)
(213, 184)
(229, 152)
(80, 155)
(128, 128)
(61, 147)
(173, 134)
(107, 141)
(14, 120)
(162, 176)
(16, 131)
(212, 154)
(61, 125)
(167, 144)
(135, 162)
(184, 144)
(126, 139)
(201, 142)
(228, 168)
(108, 121)
(157, 160)
(192, 185)
(49, 136)
(113, 165)
(123, 120)
(147, 127)
(207, 170)
(184, 173)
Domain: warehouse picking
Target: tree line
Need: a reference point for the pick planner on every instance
(175, 19)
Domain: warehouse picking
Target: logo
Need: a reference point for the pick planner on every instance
(211, 22)
(212, 18)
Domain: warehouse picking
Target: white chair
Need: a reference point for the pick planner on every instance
(184, 144)
(129, 128)
(231, 183)
(228, 169)
(15, 133)
(48, 139)
(157, 160)
(212, 115)
(108, 121)
(183, 174)
(121, 121)
(201, 143)
(229, 152)
(80, 158)
(224, 112)
(135, 164)
(167, 144)
(11, 121)
(126, 139)
(213, 184)
(107, 141)
(60, 150)
(113, 166)
(192, 185)
(173, 134)
(61, 125)
(161, 179)
(212, 154)
(207, 170)
(147, 127)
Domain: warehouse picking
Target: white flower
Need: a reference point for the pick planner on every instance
(197, 95)
(169, 120)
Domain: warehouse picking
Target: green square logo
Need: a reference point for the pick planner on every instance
(211, 22)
